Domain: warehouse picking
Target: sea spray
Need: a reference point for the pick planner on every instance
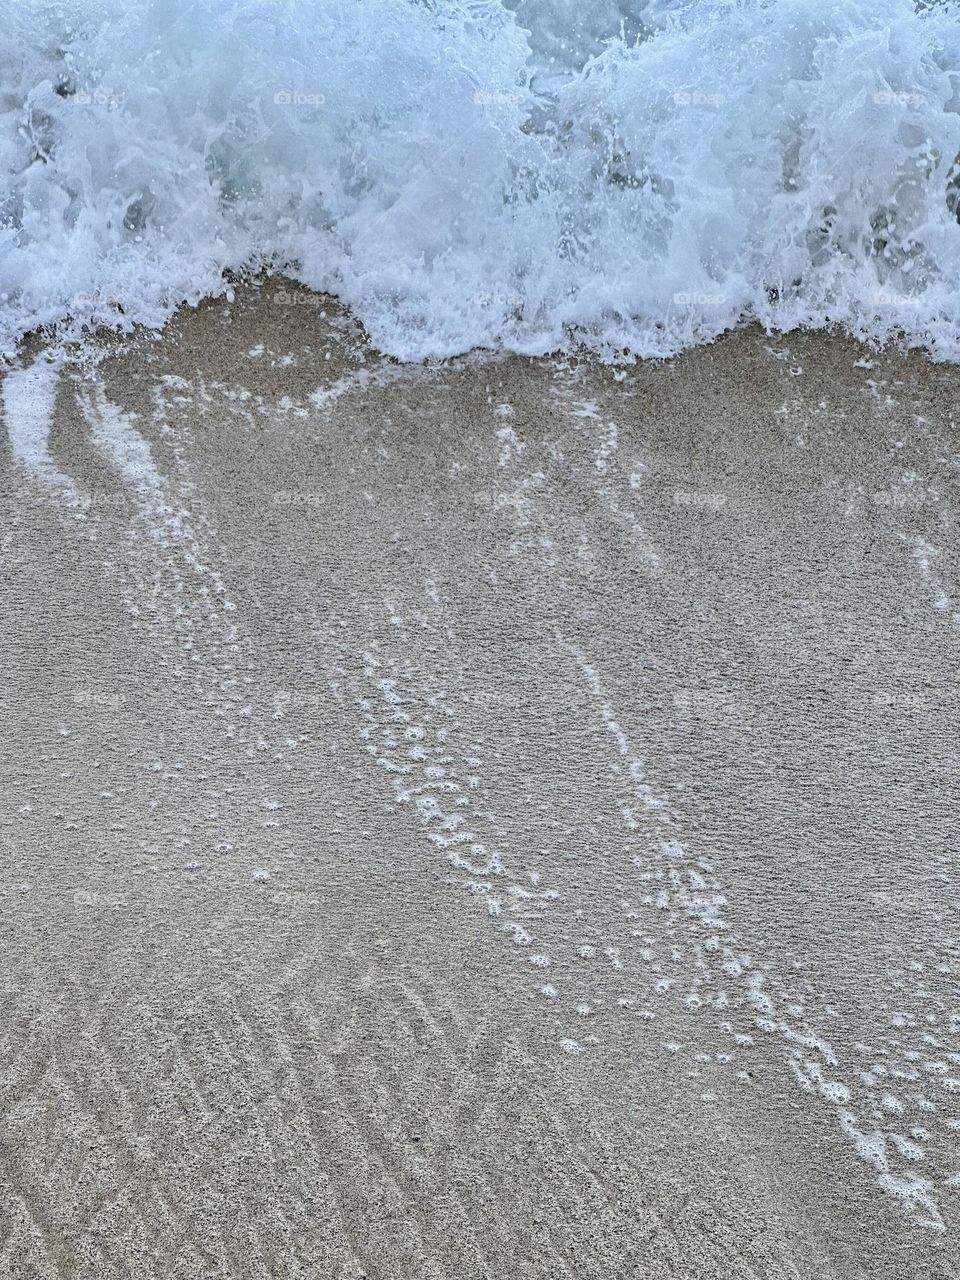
(636, 179)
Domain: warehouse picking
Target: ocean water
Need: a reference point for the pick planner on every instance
(634, 178)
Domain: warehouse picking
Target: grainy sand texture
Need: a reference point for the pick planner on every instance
(494, 821)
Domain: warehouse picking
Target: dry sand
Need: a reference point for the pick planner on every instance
(490, 821)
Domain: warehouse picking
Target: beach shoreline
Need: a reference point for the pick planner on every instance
(487, 819)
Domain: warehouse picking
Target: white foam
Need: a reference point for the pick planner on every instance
(29, 397)
(114, 433)
(634, 177)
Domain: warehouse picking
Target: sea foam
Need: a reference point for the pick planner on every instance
(632, 178)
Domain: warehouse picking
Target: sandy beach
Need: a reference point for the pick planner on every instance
(497, 819)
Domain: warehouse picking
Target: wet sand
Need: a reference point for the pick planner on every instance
(497, 820)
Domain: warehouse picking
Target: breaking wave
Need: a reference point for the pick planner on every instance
(531, 176)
